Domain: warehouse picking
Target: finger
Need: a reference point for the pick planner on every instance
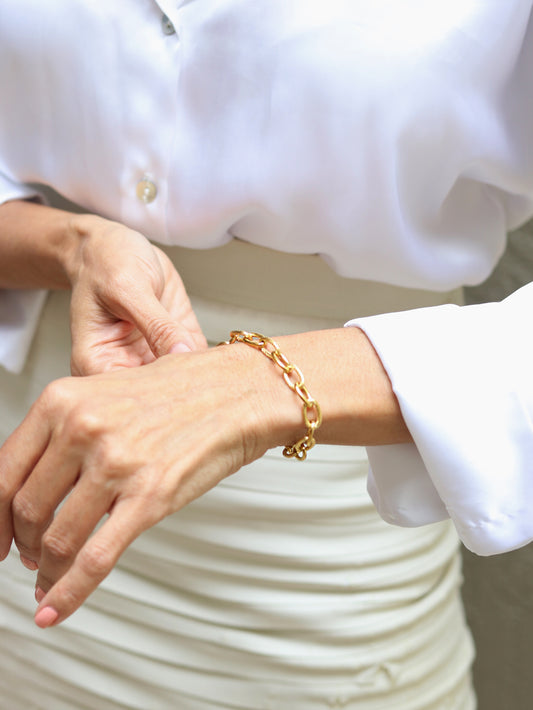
(93, 563)
(163, 334)
(114, 347)
(36, 501)
(190, 323)
(102, 341)
(83, 510)
(18, 456)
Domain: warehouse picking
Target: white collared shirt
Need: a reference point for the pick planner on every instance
(393, 138)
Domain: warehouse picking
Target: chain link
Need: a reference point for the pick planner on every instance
(294, 379)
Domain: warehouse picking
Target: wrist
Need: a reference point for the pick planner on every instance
(80, 232)
(294, 380)
(267, 413)
(38, 244)
(343, 374)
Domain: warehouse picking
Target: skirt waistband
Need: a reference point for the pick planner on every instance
(293, 285)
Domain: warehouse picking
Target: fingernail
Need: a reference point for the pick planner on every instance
(46, 617)
(180, 348)
(29, 564)
(39, 594)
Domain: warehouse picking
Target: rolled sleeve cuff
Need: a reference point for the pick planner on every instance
(462, 376)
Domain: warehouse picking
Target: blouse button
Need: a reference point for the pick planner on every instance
(167, 26)
(146, 190)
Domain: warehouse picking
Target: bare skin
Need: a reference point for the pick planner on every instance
(129, 304)
(135, 444)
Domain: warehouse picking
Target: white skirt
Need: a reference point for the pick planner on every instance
(281, 589)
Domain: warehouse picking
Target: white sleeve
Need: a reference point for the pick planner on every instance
(464, 382)
(19, 309)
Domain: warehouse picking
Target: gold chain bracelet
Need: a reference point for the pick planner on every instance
(295, 380)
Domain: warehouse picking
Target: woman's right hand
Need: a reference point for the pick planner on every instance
(129, 305)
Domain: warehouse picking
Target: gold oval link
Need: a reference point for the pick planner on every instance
(310, 442)
(288, 374)
(295, 452)
(267, 353)
(268, 342)
(303, 393)
(312, 413)
(312, 407)
(258, 341)
(280, 359)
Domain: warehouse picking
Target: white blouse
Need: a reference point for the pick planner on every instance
(393, 137)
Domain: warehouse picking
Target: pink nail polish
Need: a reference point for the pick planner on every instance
(46, 617)
(39, 595)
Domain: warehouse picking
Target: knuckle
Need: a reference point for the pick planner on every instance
(159, 333)
(84, 425)
(26, 512)
(96, 560)
(113, 463)
(55, 395)
(58, 547)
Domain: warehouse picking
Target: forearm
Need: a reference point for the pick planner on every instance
(344, 374)
(37, 244)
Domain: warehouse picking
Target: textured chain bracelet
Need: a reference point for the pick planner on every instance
(295, 380)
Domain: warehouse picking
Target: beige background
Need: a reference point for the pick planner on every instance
(498, 591)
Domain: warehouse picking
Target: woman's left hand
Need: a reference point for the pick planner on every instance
(137, 444)
(131, 447)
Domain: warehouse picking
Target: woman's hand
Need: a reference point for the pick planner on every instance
(138, 444)
(129, 304)
(131, 446)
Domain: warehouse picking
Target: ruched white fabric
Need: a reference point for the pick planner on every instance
(281, 589)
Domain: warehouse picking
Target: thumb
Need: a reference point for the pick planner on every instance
(163, 334)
